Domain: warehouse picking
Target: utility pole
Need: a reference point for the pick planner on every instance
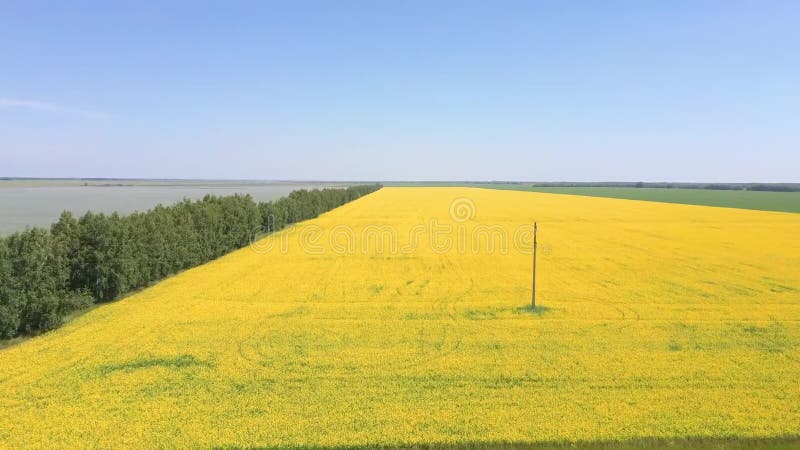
(533, 288)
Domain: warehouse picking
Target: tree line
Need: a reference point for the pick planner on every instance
(45, 275)
(772, 187)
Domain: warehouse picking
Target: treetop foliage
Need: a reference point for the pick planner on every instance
(47, 274)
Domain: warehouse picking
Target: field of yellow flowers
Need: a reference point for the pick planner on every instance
(402, 318)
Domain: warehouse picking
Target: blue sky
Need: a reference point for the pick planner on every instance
(380, 90)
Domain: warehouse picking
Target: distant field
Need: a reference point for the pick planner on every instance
(27, 203)
(758, 200)
(671, 326)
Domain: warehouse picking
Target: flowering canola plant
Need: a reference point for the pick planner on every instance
(402, 317)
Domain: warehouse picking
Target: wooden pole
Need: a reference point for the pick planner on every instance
(533, 287)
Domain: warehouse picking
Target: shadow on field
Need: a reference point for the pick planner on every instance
(781, 443)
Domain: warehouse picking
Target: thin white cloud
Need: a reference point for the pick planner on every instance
(36, 105)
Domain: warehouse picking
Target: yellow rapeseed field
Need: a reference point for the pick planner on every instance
(658, 320)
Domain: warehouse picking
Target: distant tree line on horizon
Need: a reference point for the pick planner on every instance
(772, 187)
(45, 275)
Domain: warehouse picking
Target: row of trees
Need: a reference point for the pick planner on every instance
(47, 274)
(774, 187)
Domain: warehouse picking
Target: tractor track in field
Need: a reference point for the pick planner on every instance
(437, 338)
